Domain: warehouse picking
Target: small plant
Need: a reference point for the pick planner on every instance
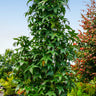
(9, 86)
(83, 89)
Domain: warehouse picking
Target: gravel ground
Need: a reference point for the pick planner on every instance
(1, 93)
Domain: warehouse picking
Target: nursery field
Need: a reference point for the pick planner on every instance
(42, 65)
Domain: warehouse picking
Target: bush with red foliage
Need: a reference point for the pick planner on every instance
(85, 64)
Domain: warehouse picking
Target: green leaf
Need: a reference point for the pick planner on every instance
(52, 25)
(22, 62)
(55, 10)
(46, 59)
(30, 68)
(50, 73)
(28, 1)
(63, 51)
(68, 27)
(50, 93)
(60, 89)
(52, 52)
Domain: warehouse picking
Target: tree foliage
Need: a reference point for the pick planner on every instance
(86, 61)
(42, 62)
(6, 63)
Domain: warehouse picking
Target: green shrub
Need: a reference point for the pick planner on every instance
(6, 63)
(9, 85)
(83, 89)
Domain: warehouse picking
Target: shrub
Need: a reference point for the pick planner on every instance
(86, 62)
(9, 85)
(6, 63)
(83, 89)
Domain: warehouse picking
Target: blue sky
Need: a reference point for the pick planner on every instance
(13, 22)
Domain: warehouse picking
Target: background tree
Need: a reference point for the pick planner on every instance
(86, 61)
(6, 63)
(43, 63)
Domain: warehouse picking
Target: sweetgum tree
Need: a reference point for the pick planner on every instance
(42, 65)
(86, 61)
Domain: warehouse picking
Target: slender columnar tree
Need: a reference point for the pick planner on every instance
(44, 61)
